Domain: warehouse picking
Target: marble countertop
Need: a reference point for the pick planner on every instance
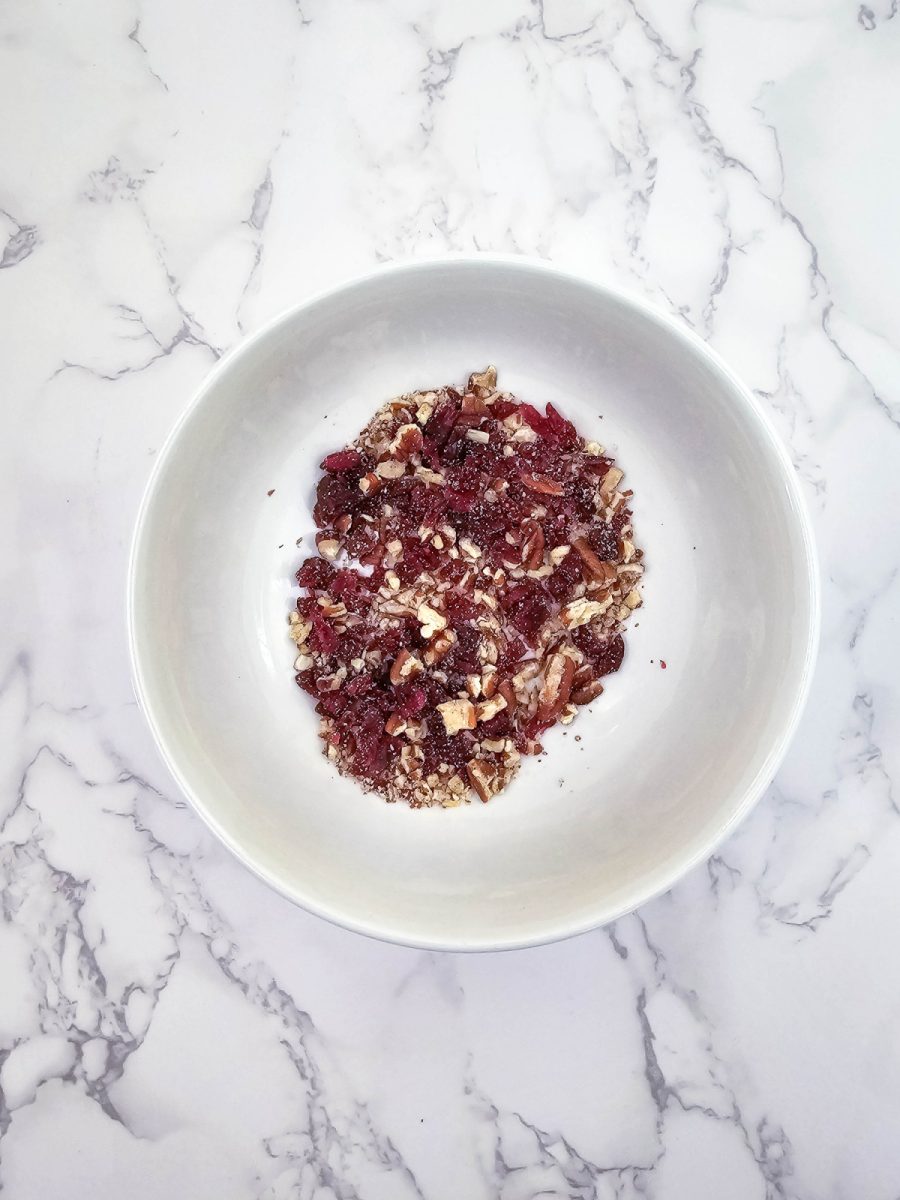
(172, 175)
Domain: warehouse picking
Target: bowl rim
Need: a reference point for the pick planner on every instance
(663, 878)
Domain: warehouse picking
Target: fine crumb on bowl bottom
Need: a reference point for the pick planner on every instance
(475, 569)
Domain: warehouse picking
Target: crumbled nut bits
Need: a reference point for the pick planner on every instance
(476, 564)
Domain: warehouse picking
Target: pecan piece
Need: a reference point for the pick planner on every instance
(457, 715)
(580, 612)
(404, 666)
(533, 546)
(407, 442)
(585, 687)
(484, 778)
(472, 403)
(483, 379)
(596, 568)
(489, 708)
(558, 678)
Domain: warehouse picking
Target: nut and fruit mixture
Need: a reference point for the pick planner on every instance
(475, 566)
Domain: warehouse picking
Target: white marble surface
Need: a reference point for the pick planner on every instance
(171, 174)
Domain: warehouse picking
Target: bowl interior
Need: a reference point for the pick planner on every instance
(646, 780)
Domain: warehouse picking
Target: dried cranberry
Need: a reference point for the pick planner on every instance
(606, 654)
(564, 579)
(563, 431)
(335, 496)
(315, 574)
(529, 609)
(360, 685)
(604, 542)
(341, 460)
(459, 502)
(411, 699)
(323, 638)
(440, 424)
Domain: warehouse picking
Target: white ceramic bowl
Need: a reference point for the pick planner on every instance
(665, 763)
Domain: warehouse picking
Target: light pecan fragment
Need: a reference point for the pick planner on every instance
(533, 545)
(404, 666)
(580, 612)
(390, 468)
(431, 621)
(457, 715)
(558, 676)
(506, 690)
(407, 441)
(587, 692)
(474, 404)
(439, 647)
(488, 681)
(484, 777)
(486, 379)
(489, 708)
(395, 724)
(611, 481)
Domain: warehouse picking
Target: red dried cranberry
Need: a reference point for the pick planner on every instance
(497, 727)
(563, 431)
(532, 417)
(323, 638)
(335, 496)
(360, 685)
(315, 574)
(341, 460)
(307, 680)
(604, 542)
(440, 423)
(529, 606)
(503, 408)
(606, 654)
(411, 699)
(460, 502)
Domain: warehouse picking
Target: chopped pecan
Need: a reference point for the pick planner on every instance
(473, 403)
(404, 666)
(489, 708)
(580, 612)
(533, 546)
(390, 468)
(484, 778)
(596, 568)
(431, 621)
(328, 547)
(457, 715)
(558, 676)
(407, 442)
(486, 379)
